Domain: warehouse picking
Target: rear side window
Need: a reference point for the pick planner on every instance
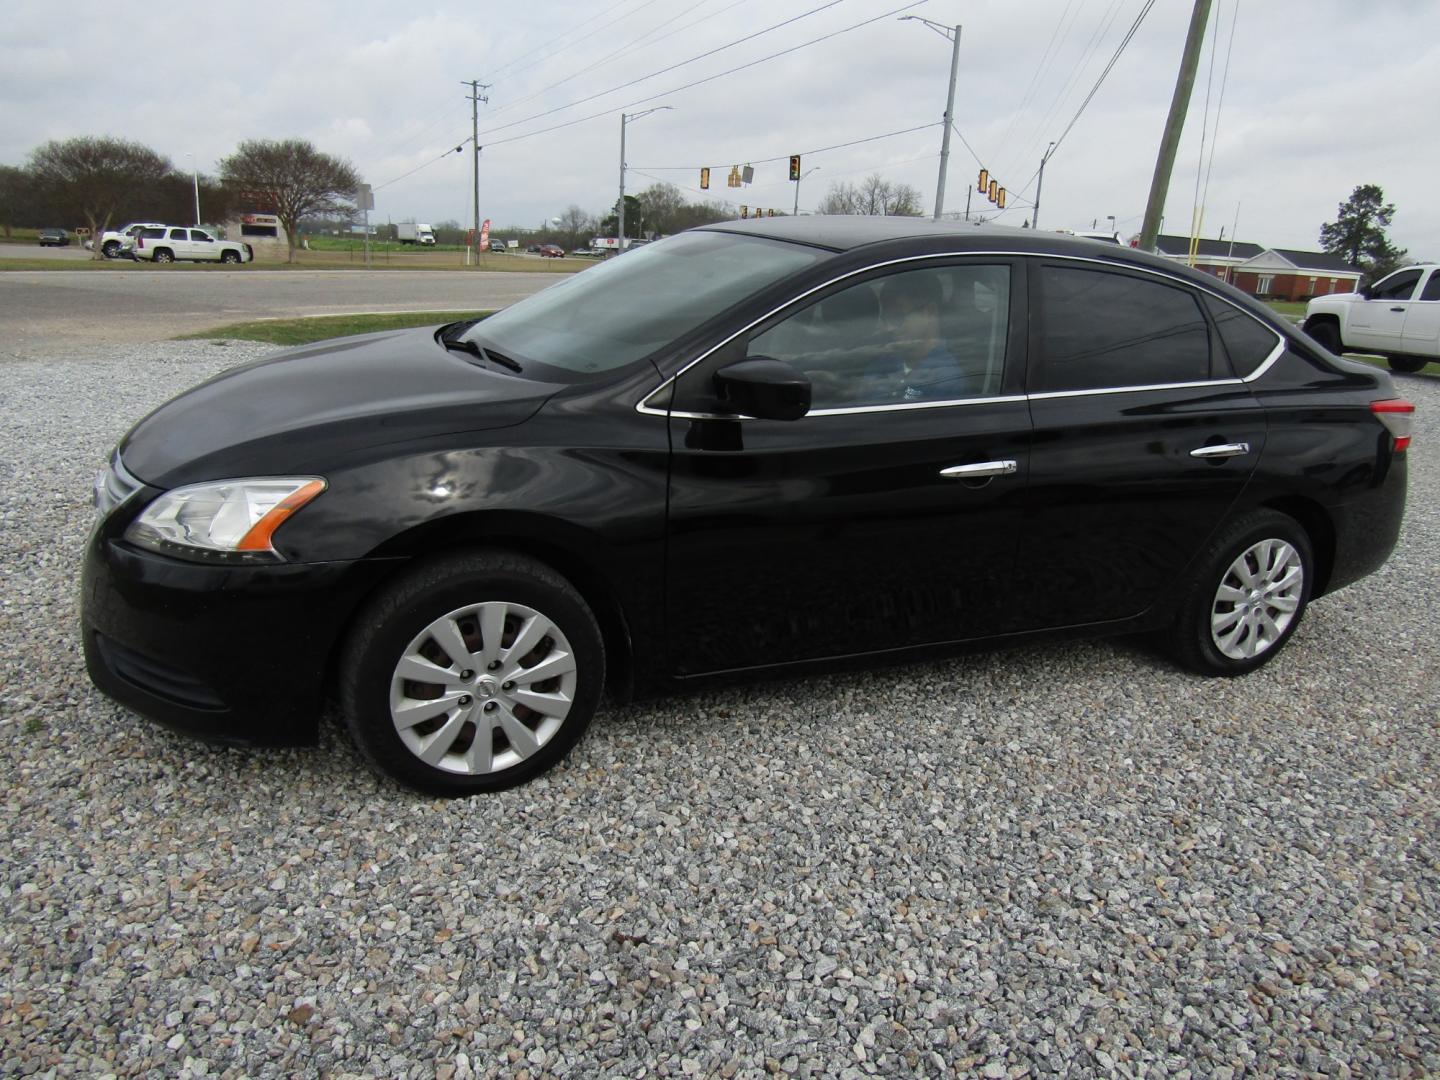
(1100, 330)
(1248, 342)
(152, 234)
(179, 234)
(1432, 287)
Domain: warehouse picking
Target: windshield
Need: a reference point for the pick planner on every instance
(626, 308)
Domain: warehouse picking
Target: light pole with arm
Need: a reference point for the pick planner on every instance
(951, 34)
(625, 118)
(195, 173)
(802, 176)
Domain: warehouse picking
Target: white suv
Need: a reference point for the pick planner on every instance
(170, 243)
(116, 243)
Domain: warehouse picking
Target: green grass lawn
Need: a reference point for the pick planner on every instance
(321, 327)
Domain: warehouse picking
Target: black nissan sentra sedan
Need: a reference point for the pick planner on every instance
(781, 444)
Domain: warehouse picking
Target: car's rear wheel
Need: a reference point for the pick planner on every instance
(163, 256)
(1326, 333)
(1406, 364)
(1246, 596)
(229, 256)
(472, 673)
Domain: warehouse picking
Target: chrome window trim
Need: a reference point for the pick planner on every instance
(644, 408)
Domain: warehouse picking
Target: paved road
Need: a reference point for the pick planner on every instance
(83, 307)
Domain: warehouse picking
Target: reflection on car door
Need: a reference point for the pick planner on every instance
(885, 518)
(1139, 452)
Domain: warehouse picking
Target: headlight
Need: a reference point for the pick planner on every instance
(234, 518)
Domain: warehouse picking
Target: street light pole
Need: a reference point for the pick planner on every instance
(1040, 183)
(802, 176)
(620, 207)
(195, 172)
(953, 36)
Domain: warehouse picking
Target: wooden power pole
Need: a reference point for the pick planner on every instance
(1174, 124)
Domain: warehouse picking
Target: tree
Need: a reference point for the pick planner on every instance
(1358, 232)
(94, 177)
(291, 179)
(663, 205)
(573, 222)
(875, 195)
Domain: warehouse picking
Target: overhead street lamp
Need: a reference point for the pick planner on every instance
(195, 172)
(625, 118)
(802, 176)
(951, 34)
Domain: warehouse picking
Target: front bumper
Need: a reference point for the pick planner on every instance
(236, 654)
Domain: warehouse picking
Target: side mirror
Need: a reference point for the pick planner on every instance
(764, 388)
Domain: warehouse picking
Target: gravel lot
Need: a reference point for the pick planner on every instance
(1060, 859)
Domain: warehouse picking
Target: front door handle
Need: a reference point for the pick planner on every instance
(980, 470)
(1400, 309)
(1224, 450)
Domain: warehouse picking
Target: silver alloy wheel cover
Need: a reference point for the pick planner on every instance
(1257, 599)
(470, 684)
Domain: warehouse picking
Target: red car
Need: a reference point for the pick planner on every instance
(551, 251)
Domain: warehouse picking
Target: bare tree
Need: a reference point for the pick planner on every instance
(875, 195)
(93, 177)
(291, 179)
(663, 206)
(573, 222)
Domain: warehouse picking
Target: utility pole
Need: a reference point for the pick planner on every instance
(620, 207)
(1039, 184)
(475, 98)
(1174, 124)
(953, 36)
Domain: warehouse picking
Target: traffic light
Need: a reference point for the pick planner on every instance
(744, 211)
(769, 213)
(1001, 201)
(994, 190)
(984, 184)
(794, 166)
(704, 179)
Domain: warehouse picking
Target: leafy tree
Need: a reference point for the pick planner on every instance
(1358, 232)
(291, 179)
(875, 195)
(94, 177)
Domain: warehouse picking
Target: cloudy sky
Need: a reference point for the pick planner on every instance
(1320, 96)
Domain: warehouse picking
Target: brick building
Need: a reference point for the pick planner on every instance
(1285, 274)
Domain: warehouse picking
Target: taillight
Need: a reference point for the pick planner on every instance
(140, 240)
(1396, 414)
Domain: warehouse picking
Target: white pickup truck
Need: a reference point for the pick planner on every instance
(171, 243)
(115, 243)
(1398, 318)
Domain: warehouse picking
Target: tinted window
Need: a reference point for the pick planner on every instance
(152, 234)
(259, 230)
(934, 334)
(196, 234)
(1397, 286)
(1247, 341)
(178, 234)
(1432, 287)
(1100, 329)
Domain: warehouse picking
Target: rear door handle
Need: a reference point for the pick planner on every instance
(980, 470)
(1224, 450)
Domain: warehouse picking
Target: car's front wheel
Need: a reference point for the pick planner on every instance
(1246, 596)
(230, 257)
(472, 673)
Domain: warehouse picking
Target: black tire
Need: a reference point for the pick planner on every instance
(229, 256)
(1409, 365)
(1326, 333)
(442, 593)
(110, 248)
(164, 256)
(1192, 637)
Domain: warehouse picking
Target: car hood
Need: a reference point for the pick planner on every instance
(311, 409)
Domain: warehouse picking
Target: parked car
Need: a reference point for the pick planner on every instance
(552, 251)
(119, 243)
(1398, 318)
(498, 247)
(533, 249)
(171, 243)
(54, 238)
(797, 444)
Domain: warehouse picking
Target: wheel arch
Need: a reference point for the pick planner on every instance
(1316, 522)
(568, 549)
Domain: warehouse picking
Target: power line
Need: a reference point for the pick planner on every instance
(565, 33)
(664, 70)
(1035, 77)
(710, 78)
(1129, 34)
(412, 172)
(784, 157)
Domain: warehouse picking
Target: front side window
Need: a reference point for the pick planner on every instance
(1099, 330)
(1398, 286)
(931, 334)
(196, 234)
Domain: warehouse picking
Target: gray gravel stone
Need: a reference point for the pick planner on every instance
(1060, 859)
